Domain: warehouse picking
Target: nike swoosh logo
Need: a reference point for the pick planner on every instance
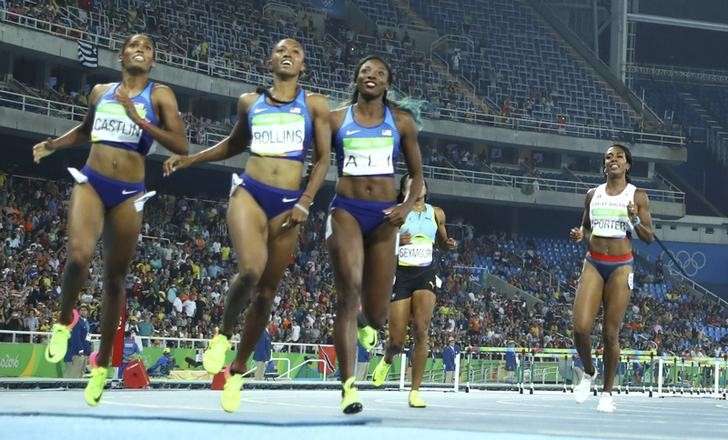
(350, 132)
(258, 110)
(125, 192)
(373, 341)
(287, 200)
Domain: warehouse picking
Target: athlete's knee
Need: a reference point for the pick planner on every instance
(79, 256)
(582, 329)
(263, 301)
(421, 332)
(114, 282)
(351, 284)
(249, 275)
(395, 342)
(395, 349)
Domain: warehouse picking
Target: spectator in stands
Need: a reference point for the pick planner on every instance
(362, 362)
(79, 347)
(262, 354)
(448, 359)
(456, 61)
(131, 351)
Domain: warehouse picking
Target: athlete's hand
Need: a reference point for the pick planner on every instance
(632, 212)
(43, 149)
(122, 96)
(396, 215)
(451, 244)
(405, 238)
(576, 234)
(295, 217)
(299, 213)
(174, 163)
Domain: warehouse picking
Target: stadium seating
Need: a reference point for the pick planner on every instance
(515, 58)
(524, 59)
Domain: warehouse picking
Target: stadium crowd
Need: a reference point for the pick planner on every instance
(177, 284)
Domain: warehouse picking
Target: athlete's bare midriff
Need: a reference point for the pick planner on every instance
(377, 188)
(275, 172)
(610, 246)
(116, 163)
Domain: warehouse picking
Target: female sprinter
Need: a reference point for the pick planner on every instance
(612, 212)
(123, 120)
(266, 203)
(414, 287)
(364, 219)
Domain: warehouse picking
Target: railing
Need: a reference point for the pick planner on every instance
(680, 72)
(696, 286)
(69, 111)
(528, 183)
(217, 67)
(585, 131)
(671, 186)
(42, 106)
(17, 336)
(213, 67)
(556, 369)
(288, 372)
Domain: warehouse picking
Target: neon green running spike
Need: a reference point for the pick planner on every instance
(214, 357)
(55, 351)
(230, 397)
(350, 402)
(367, 337)
(380, 372)
(95, 386)
(415, 400)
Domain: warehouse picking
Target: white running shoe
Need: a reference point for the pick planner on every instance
(606, 403)
(582, 391)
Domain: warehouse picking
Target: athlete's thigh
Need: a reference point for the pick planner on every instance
(589, 293)
(617, 294)
(399, 317)
(346, 247)
(248, 228)
(281, 247)
(380, 263)
(85, 219)
(121, 232)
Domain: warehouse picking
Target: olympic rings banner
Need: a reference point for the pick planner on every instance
(704, 263)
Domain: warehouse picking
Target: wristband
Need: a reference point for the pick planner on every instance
(301, 207)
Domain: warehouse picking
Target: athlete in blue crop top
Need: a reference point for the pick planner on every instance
(267, 206)
(413, 294)
(121, 124)
(364, 218)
